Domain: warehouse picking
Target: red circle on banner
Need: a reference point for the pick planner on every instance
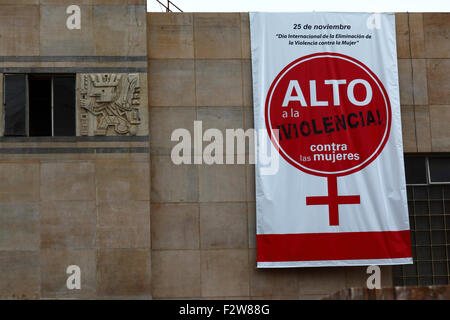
(332, 113)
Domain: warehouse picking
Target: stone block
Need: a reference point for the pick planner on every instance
(405, 82)
(438, 81)
(272, 283)
(19, 226)
(436, 27)
(247, 83)
(408, 129)
(440, 130)
(19, 181)
(420, 85)
(56, 39)
(423, 128)
(164, 121)
(124, 273)
(170, 35)
(122, 180)
(120, 30)
(324, 280)
(176, 274)
(224, 273)
(68, 224)
(67, 181)
(173, 183)
(222, 183)
(124, 224)
(175, 226)
(54, 264)
(217, 35)
(171, 83)
(219, 83)
(416, 34)
(20, 275)
(251, 213)
(223, 225)
(19, 27)
(402, 33)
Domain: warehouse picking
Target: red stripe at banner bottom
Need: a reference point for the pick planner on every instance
(333, 246)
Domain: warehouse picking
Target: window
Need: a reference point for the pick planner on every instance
(39, 105)
(428, 192)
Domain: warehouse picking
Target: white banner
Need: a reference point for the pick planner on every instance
(325, 88)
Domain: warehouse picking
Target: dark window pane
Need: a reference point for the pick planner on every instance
(64, 105)
(423, 238)
(415, 170)
(15, 104)
(437, 222)
(440, 268)
(411, 281)
(423, 253)
(422, 223)
(436, 207)
(439, 253)
(438, 237)
(439, 169)
(425, 281)
(421, 193)
(40, 105)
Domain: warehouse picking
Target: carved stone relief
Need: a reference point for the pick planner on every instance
(109, 104)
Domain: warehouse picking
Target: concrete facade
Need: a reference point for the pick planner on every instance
(114, 204)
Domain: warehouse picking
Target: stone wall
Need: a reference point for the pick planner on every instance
(81, 200)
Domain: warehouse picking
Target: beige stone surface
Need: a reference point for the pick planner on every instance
(176, 274)
(19, 181)
(67, 181)
(221, 183)
(408, 129)
(403, 34)
(54, 264)
(438, 81)
(124, 224)
(420, 85)
(247, 83)
(19, 226)
(171, 83)
(251, 224)
(423, 128)
(219, 83)
(19, 27)
(436, 28)
(440, 130)
(223, 225)
(225, 273)
(68, 224)
(57, 39)
(272, 282)
(175, 226)
(417, 40)
(170, 35)
(164, 121)
(124, 273)
(320, 280)
(245, 35)
(20, 277)
(405, 82)
(217, 35)
(173, 183)
(120, 30)
(122, 180)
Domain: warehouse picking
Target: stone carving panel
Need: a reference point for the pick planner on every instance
(109, 104)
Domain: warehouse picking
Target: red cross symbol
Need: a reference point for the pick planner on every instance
(332, 200)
